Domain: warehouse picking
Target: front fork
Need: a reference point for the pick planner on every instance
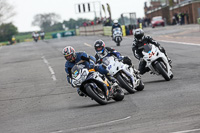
(133, 79)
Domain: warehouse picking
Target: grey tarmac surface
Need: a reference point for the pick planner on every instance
(36, 98)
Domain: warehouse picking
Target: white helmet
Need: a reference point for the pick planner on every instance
(115, 21)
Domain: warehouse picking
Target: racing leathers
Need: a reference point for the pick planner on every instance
(137, 48)
(69, 65)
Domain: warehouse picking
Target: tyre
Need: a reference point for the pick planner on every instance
(97, 95)
(171, 77)
(118, 95)
(140, 86)
(125, 83)
(162, 70)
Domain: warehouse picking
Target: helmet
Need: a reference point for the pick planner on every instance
(115, 21)
(69, 53)
(99, 46)
(138, 33)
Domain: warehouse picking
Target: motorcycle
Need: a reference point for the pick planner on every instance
(157, 62)
(117, 36)
(124, 74)
(94, 85)
(35, 38)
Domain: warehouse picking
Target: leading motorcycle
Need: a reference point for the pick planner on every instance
(94, 85)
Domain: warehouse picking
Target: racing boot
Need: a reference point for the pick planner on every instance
(113, 85)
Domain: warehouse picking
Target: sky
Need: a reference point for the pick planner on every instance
(27, 9)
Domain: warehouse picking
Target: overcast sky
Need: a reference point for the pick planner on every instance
(27, 9)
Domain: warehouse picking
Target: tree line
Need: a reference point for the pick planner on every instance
(7, 30)
(50, 22)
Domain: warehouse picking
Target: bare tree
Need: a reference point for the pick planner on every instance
(44, 21)
(6, 11)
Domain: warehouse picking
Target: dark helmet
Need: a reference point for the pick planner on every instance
(138, 34)
(69, 53)
(99, 46)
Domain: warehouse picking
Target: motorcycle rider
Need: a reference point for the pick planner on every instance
(35, 35)
(42, 34)
(116, 24)
(138, 45)
(72, 58)
(102, 51)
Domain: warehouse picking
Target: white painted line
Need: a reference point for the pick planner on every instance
(50, 68)
(185, 43)
(100, 124)
(57, 132)
(187, 131)
(196, 44)
(87, 44)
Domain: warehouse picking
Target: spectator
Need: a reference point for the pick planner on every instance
(187, 17)
(177, 18)
(84, 24)
(92, 22)
(42, 34)
(173, 20)
(13, 40)
(182, 18)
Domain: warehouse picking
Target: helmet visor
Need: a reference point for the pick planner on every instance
(139, 36)
(98, 49)
(68, 57)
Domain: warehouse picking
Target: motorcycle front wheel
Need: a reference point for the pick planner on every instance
(97, 95)
(123, 81)
(162, 70)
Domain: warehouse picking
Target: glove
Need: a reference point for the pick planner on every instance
(121, 58)
(96, 67)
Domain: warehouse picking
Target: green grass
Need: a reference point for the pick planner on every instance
(3, 43)
(28, 37)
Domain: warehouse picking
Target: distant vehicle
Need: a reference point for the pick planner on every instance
(117, 36)
(157, 21)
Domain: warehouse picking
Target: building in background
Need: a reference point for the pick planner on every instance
(189, 9)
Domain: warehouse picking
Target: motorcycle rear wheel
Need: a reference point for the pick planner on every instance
(118, 95)
(140, 87)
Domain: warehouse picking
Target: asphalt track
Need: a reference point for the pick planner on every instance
(36, 98)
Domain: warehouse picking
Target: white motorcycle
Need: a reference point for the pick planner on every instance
(92, 84)
(124, 74)
(117, 36)
(157, 62)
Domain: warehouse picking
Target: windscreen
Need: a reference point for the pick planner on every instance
(147, 48)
